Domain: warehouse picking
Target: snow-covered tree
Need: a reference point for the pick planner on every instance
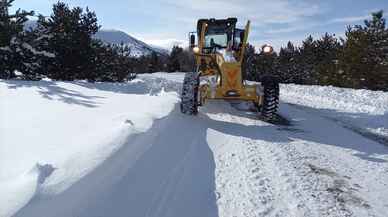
(70, 34)
(112, 63)
(11, 39)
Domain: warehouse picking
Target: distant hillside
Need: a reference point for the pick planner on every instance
(29, 24)
(138, 48)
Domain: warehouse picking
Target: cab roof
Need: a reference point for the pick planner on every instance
(217, 23)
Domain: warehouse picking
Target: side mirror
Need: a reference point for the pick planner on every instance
(192, 41)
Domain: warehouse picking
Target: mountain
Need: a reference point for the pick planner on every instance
(138, 48)
(29, 24)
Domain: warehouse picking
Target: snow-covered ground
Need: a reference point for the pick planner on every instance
(362, 110)
(79, 149)
(69, 127)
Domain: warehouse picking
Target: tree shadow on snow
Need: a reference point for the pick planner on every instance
(53, 90)
(50, 90)
(356, 122)
(302, 127)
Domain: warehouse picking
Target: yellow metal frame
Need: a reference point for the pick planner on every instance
(229, 74)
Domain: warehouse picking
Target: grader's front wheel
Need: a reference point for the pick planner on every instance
(189, 97)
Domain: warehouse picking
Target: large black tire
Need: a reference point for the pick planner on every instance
(189, 97)
(271, 97)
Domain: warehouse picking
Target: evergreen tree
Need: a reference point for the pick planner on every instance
(326, 67)
(12, 44)
(174, 64)
(70, 39)
(266, 64)
(33, 54)
(364, 59)
(154, 64)
(187, 60)
(305, 71)
(249, 69)
(112, 62)
(288, 68)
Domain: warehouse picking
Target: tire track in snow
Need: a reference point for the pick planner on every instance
(340, 165)
(244, 187)
(317, 169)
(267, 175)
(286, 189)
(248, 180)
(302, 183)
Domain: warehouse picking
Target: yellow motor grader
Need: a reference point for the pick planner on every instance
(219, 53)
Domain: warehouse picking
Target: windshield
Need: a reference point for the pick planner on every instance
(237, 37)
(216, 40)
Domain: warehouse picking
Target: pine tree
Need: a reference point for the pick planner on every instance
(112, 62)
(287, 60)
(12, 44)
(70, 39)
(174, 64)
(306, 61)
(187, 60)
(326, 67)
(364, 59)
(266, 64)
(154, 64)
(249, 68)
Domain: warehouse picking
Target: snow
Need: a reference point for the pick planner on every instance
(105, 149)
(7, 48)
(363, 110)
(71, 126)
(35, 52)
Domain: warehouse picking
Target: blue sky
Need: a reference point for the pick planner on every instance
(163, 22)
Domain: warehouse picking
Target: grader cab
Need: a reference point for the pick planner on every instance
(219, 49)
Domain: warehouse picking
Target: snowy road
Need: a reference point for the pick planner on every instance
(225, 162)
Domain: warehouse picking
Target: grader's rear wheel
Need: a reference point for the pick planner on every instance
(271, 98)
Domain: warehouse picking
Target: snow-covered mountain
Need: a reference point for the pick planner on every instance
(29, 24)
(138, 48)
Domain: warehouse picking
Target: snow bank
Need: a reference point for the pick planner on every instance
(360, 109)
(54, 133)
(176, 77)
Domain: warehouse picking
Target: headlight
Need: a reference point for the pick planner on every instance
(196, 49)
(267, 49)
